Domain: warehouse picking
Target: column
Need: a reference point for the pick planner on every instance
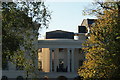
(50, 60)
(55, 61)
(72, 56)
(68, 61)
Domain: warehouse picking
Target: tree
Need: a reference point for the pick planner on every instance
(20, 32)
(16, 16)
(102, 49)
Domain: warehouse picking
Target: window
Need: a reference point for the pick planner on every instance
(40, 50)
(5, 64)
(40, 65)
(19, 65)
(61, 49)
(86, 37)
(4, 78)
(80, 50)
(80, 62)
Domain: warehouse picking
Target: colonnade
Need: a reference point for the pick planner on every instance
(70, 57)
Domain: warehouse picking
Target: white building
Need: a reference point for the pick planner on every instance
(60, 54)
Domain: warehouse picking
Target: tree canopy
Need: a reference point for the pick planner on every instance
(20, 24)
(102, 49)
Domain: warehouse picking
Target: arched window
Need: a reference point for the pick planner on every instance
(19, 78)
(4, 78)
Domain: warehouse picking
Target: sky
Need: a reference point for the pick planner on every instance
(66, 15)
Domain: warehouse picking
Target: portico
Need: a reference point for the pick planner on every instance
(64, 63)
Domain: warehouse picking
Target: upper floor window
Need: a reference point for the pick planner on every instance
(61, 49)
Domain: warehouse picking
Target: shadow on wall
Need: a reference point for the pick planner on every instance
(44, 78)
(62, 78)
(78, 78)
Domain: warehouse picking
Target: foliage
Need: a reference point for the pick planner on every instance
(102, 49)
(20, 32)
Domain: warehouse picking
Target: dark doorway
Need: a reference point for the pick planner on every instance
(61, 66)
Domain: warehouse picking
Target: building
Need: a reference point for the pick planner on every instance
(59, 54)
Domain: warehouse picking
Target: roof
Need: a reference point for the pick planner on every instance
(88, 22)
(59, 34)
(60, 31)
